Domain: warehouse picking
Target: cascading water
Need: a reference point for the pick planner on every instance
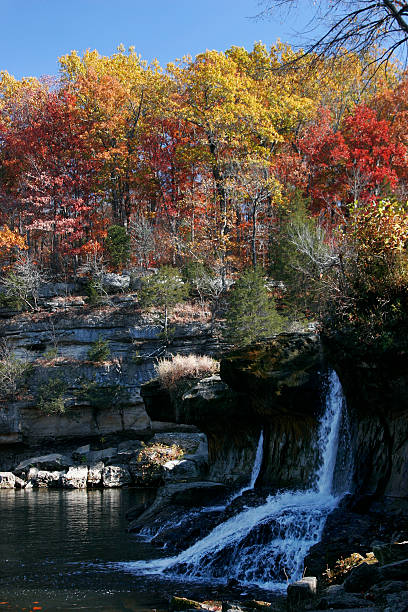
(255, 470)
(267, 544)
(254, 477)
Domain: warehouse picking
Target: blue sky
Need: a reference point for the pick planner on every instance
(36, 32)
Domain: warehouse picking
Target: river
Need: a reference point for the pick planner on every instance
(56, 548)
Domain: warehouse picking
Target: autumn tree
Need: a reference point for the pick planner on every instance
(49, 169)
(230, 100)
(119, 94)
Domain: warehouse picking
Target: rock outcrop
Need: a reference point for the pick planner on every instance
(56, 342)
(375, 383)
(274, 387)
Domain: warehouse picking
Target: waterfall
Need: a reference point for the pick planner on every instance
(256, 468)
(254, 474)
(267, 544)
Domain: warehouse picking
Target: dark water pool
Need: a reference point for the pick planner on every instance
(56, 548)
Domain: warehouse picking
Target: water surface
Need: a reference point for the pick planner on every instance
(57, 547)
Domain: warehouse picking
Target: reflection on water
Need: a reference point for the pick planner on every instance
(56, 548)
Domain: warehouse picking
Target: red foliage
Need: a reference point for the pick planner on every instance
(50, 170)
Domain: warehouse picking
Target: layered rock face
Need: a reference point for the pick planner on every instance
(134, 344)
(276, 386)
(375, 384)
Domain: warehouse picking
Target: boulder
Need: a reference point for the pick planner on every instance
(75, 478)
(362, 577)
(52, 462)
(115, 283)
(106, 454)
(396, 602)
(378, 591)
(335, 597)
(282, 373)
(126, 452)
(94, 478)
(7, 480)
(81, 452)
(115, 476)
(158, 402)
(43, 478)
(190, 443)
(129, 445)
(186, 495)
(390, 553)
(210, 401)
(394, 571)
(301, 592)
(181, 470)
(20, 483)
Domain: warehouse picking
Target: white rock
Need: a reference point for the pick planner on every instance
(44, 478)
(75, 478)
(95, 474)
(7, 480)
(50, 462)
(115, 476)
(115, 282)
(20, 483)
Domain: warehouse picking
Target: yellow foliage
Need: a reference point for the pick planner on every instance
(10, 239)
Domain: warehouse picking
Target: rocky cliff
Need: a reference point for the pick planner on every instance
(275, 387)
(134, 343)
(375, 383)
(102, 404)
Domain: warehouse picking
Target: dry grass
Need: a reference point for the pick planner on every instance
(191, 312)
(170, 371)
(182, 313)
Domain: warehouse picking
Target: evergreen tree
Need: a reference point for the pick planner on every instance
(251, 311)
(166, 288)
(118, 245)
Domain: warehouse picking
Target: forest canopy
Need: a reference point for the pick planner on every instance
(263, 158)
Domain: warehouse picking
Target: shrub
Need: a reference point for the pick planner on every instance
(101, 396)
(99, 351)
(343, 567)
(51, 396)
(12, 371)
(22, 284)
(94, 292)
(180, 367)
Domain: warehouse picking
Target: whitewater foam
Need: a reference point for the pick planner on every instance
(266, 545)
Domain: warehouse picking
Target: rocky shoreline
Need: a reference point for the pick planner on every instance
(166, 457)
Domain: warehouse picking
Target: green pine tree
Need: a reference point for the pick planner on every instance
(166, 289)
(251, 311)
(118, 245)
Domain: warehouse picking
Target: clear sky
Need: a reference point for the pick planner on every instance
(35, 32)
